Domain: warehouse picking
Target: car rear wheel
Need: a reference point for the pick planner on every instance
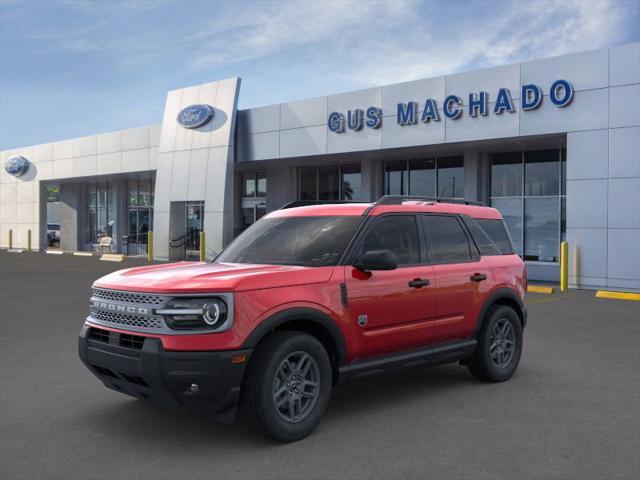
(287, 387)
(499, 346)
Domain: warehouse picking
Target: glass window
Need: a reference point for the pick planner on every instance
(140, 214)
(422, 179)
(132, 193)
(563, 219)
(398, 233)
(541, 173)
(563, 172)
(497, 233)
(335, 182)
(248, 185)
(99, 212)
(511, 210)
(430, 177)
(537, 227)
(262, 184)
(329, 183)
(541, 227)
(53, 193)
(447, 242)
(396, 178)
(305, 241)
(351, 182)
(254, 184)
(506, 175)
(308, 184)
(92, 196)
(145, 193)
(451, 177)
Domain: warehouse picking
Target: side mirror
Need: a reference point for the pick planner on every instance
(377, 260)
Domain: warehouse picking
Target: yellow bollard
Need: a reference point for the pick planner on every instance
(202, 246)
(10, 239)
(150, 246)
(564, 266)
(29, 240)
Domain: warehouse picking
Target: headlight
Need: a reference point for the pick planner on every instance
(195, 313)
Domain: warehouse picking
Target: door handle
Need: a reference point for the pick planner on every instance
(418, 282)
(478, 277)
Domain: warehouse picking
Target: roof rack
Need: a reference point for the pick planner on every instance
(399, 199)
(306, 203)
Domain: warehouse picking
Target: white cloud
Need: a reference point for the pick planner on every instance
(383, 41)
(521, 31)
(287, 26)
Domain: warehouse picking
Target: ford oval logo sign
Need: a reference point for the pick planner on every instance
(195, 116)
(17, 166)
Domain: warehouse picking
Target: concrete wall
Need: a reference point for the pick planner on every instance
(123, 151)
(197, 164)
(603, 181)
(602, 125)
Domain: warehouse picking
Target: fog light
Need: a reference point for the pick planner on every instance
(193, 389)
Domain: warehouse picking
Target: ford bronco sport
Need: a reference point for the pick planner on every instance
(310, 297)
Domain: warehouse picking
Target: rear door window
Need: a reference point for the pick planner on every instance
(447, 241)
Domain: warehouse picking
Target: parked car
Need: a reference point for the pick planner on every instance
(53, 233)
(310, 297)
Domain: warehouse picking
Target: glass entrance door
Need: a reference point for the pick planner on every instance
(252, 210)
(140, 215)
(254, 198)
(194, 225)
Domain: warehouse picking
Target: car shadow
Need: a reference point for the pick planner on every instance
(141, 421)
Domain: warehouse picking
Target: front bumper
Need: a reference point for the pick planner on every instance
(140, 367)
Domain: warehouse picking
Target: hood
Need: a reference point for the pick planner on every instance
(198, 277)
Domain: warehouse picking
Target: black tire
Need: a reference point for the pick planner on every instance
(491, 361)
(260, 386)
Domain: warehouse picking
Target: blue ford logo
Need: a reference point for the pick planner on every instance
(195, 116)
(17, 166)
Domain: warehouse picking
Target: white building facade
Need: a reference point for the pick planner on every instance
(554, 144)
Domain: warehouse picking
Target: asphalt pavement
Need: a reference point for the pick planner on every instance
(572, 411)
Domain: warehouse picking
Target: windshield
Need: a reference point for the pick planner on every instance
(304, 241)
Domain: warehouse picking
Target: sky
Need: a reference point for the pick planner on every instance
(70, 68)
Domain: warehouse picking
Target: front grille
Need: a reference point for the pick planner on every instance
(129, 297)
(99, 335)
(131, 341)
(123, 319)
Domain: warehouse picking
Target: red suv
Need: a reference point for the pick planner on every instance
(310, 297)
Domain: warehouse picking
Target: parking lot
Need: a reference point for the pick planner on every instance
(572, 411)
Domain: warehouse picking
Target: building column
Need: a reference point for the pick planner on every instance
(371, 172)
(281, 186)
(69, 212)
(477, 176)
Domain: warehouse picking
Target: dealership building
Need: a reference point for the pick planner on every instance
(554, 144)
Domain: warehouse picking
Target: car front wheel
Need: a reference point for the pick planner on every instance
(499, 346)
(287, 387)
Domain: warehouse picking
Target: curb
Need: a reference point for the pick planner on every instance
(539, 289)
(635, 297)
(112, 257)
